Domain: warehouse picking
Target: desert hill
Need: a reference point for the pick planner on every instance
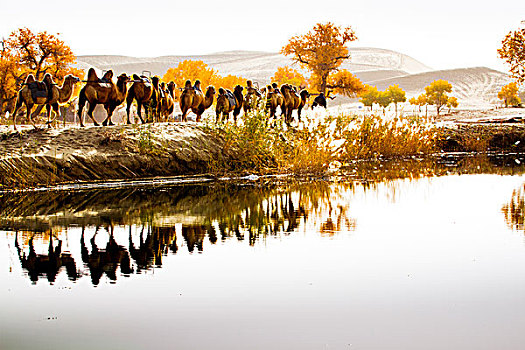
(378, 67)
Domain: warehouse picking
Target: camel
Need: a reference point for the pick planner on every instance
(140, 91)
(252, 97)
(64, 94)
(155, 99)
(107, 94)
(228, 102)
(320, 99)
(274, 99)
(166, 104)
(293, 101)
(196, 101)
(47, 94)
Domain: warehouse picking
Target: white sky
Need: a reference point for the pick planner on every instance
(444, 34)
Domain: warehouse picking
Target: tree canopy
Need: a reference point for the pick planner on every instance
(25, 52)
(436, 93)
(509, 95)
(513, 52)
(193, 70)
(322, 50)
(288, 75)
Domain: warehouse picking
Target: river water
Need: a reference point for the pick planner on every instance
(407, 256)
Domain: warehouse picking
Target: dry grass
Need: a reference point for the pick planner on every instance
(315, 144)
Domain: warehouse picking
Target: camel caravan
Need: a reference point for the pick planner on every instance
(157, 99)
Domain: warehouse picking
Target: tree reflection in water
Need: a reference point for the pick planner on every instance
(515, 210)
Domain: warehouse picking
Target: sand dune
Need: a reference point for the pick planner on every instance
(473, 86)
(477, 86)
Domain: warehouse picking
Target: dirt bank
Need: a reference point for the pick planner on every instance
(51, 156)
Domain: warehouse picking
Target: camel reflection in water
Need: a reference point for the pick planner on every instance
(100, 261)
(158, 242)
(139, 228)
(46, 264)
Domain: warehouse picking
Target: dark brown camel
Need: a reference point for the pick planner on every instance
(293, 101)
(228, 102)
(196, 101)
(155, 99)
(106, 93)
(140, 91)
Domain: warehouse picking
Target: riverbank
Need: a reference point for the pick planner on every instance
(46, 157)
(40, 157)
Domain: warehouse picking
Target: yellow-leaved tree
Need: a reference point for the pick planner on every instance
(193, 70)
(397, 94)
(436, 93)
(322, 51)
(288, 75)
(513, 52)
(509, 94)
(369, 96)
(420, 101)
(25, 52)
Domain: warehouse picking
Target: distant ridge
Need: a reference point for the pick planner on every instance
(374, 66)
(257, 65)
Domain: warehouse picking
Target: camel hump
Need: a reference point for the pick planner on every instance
(30, 79)
(92, 75)
(136, 77)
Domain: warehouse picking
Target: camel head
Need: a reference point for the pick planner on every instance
(304, 94)
(122, 79)
(155, 81)
(210, 91)
(238, 89)
(71, 79)
(171, 86)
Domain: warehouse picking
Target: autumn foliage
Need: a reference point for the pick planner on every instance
(288, 75)
(513, 52)
(25, 52)
(193, 70)
(322, 51)
(509, 95)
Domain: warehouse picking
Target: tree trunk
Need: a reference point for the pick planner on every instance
(324, 78)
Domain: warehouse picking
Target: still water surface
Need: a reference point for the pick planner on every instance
(414, 263)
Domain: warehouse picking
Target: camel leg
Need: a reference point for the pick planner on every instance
(139, 112)
(15, 112)
(81, 102)
(109, 110)
(29, 114)
(48, 113)
(299, 113)
(128, 107)
(90, 114)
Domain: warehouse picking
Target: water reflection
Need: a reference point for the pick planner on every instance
(122, 232)
(131, 231)
(47, 265)
(514, 210)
